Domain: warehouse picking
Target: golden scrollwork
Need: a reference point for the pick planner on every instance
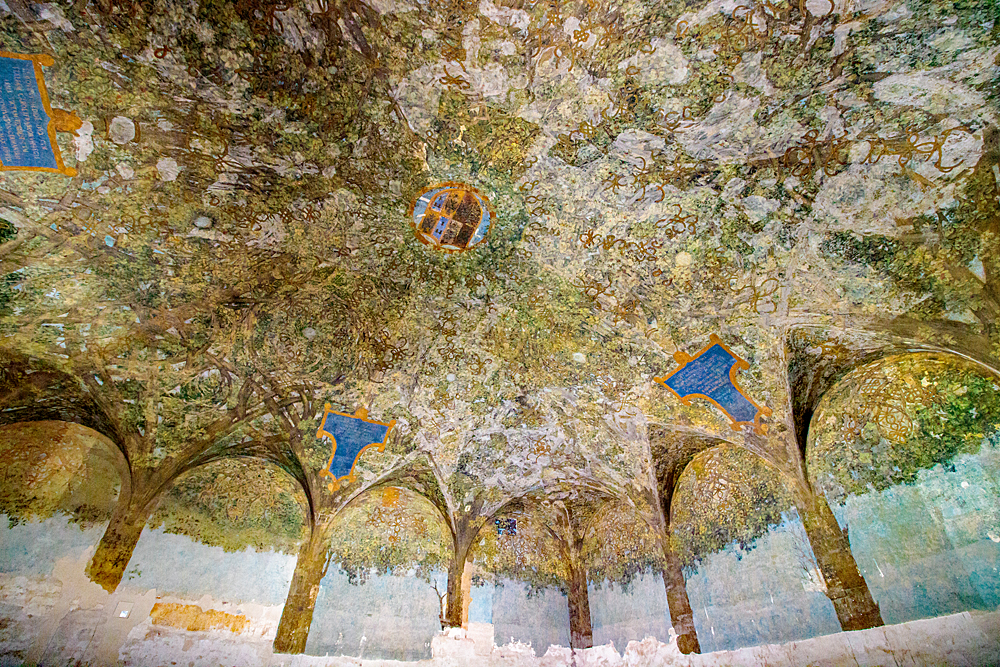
(908, 146)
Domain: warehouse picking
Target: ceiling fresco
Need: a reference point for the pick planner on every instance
(583, 273)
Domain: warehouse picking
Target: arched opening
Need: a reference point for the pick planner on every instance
(751, 575)
(35, 390)
(572, 568)
(384, 579)
(58, 487)
(905, 449)
(522, 556)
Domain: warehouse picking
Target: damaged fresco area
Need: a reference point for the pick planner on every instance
(502, 234)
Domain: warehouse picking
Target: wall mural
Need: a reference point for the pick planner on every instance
(504, 228)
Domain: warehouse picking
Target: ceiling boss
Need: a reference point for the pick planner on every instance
(453, 217)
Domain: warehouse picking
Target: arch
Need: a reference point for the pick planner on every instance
(252, 489)
(387, 532)
(629, 564)
(250, 508)
(906, 443)
(890, 393)
(32, 389)
(721, 489)
(397, 510)
(465, 520)
(66, 467)
(418, 477)
(558, 516)
(296, 618)
(617, 530)
(747, 554)
(673, 448)
(819, 356)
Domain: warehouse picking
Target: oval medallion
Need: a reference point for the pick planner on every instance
(451, 216)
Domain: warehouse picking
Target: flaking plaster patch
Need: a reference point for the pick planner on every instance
(419, 95)
(515, 18)
(168, 169)
(751, 72)
(122, 130)
(83, 142)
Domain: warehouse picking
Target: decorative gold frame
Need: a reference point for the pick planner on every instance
(444, 186)
(38, 60)
(362, 414)
(683, 358)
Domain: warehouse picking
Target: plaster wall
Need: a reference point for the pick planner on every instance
(616, 616)
(386, 617)
(539, 620)
(770, 594)
(32, 548)
(927, 549)
(481, 602)
(619, 617)
(62, 618)
(931, 548)
(178, 565)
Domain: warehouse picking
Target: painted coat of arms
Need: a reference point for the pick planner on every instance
(351, 435)
(28, 124)
(711, 374)
(452, 217)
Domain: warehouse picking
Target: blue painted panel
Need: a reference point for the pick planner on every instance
(709, 375)
(351, 434)
(24, 123)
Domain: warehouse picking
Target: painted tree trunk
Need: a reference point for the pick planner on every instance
(580, 633)
(681, 616)
(455, 603)
(116, 546)
(293, 629)
(846, 588)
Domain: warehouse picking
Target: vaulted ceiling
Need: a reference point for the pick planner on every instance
(816, 183)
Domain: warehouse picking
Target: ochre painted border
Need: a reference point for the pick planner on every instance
(38, 60)
(684, 359)
(450, 185)
(361, 414)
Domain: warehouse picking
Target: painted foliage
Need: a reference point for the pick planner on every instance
(241, 245)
